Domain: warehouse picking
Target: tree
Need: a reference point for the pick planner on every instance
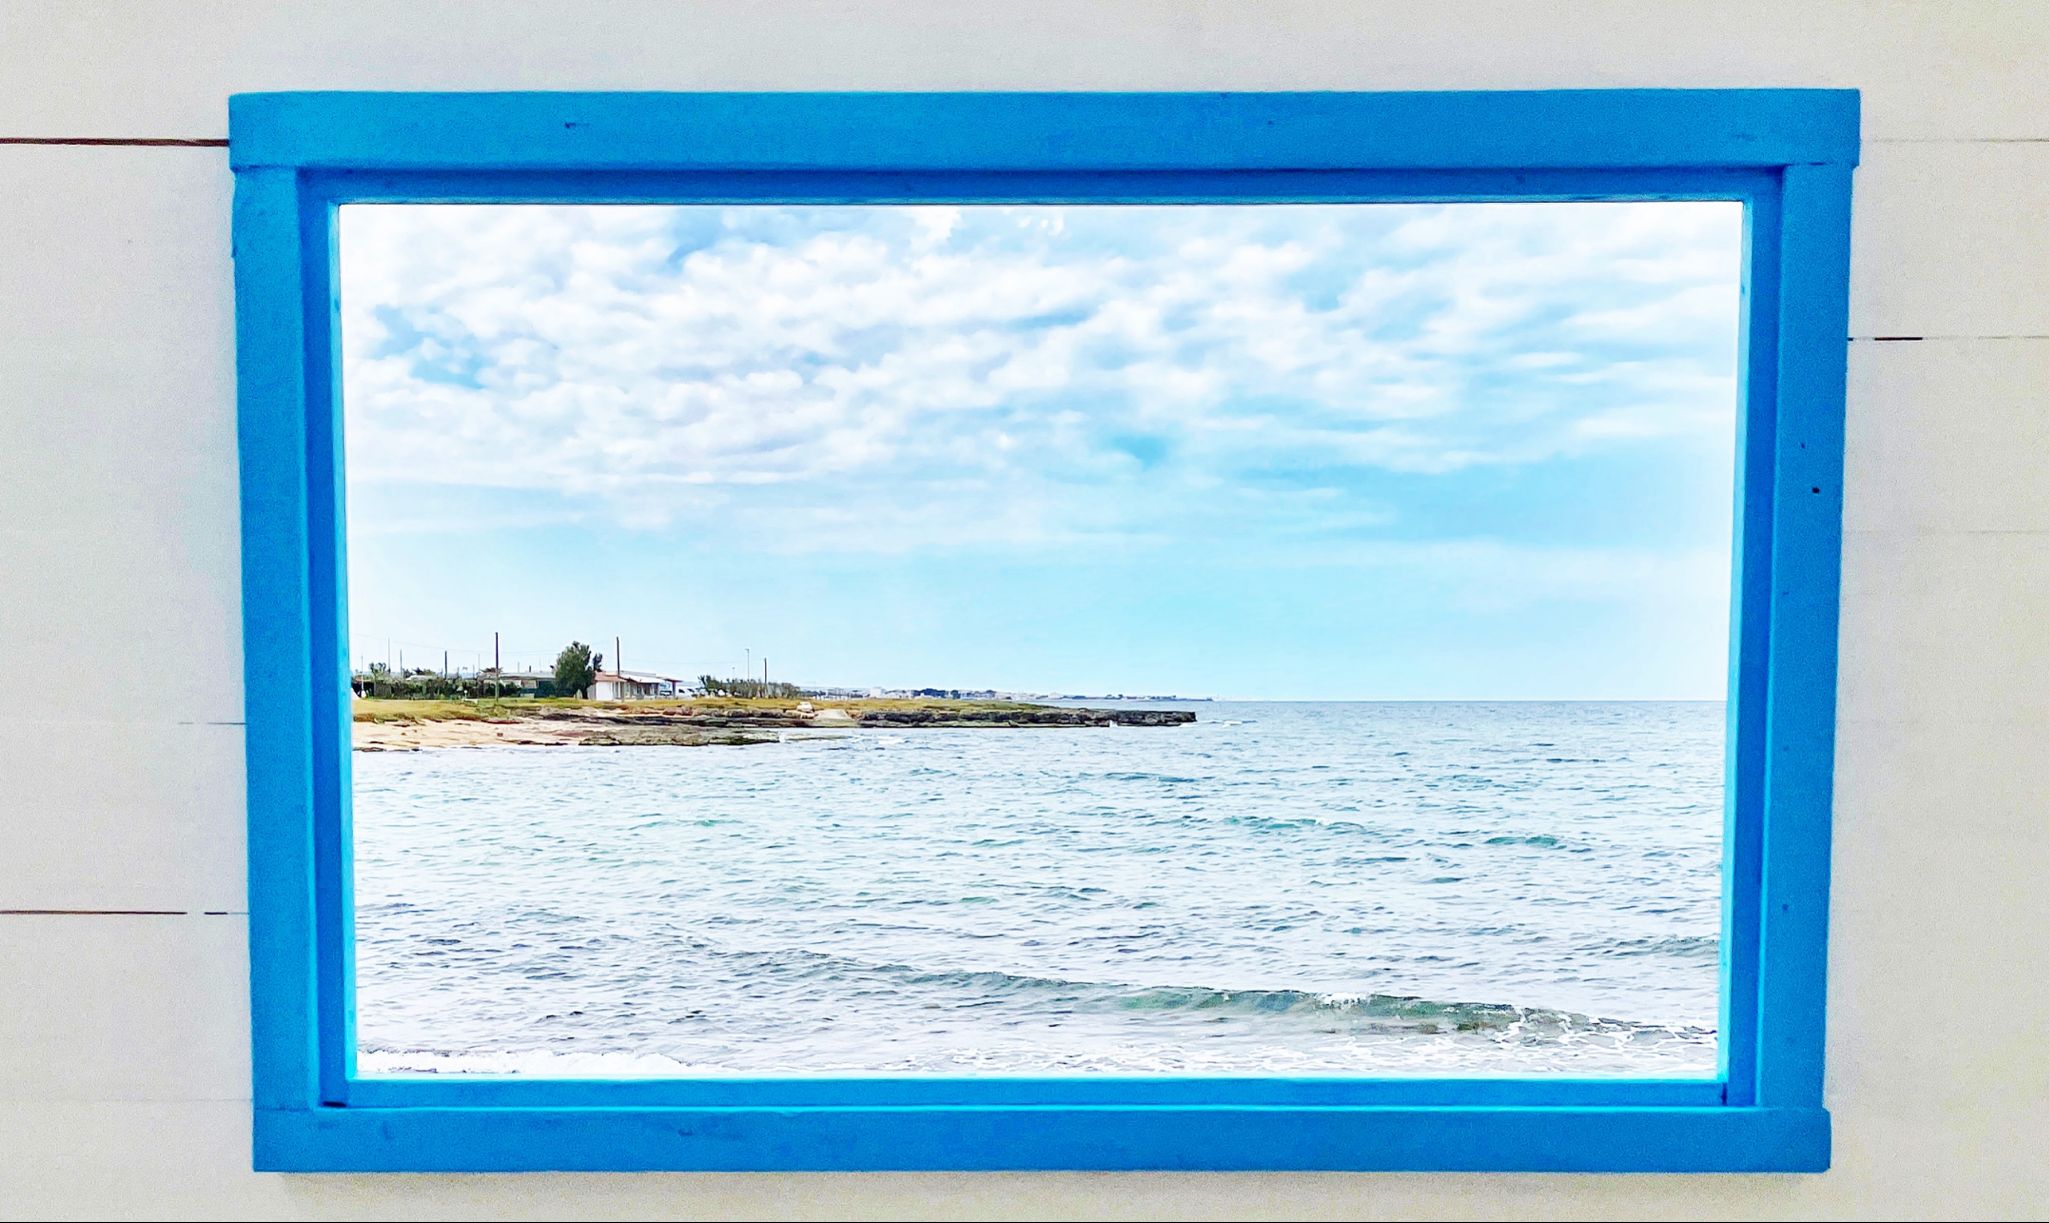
(576, 669)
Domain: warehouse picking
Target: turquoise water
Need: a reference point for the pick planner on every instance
(1278, 888)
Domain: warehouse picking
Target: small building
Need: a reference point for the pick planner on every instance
(612, 686)
(636, 686)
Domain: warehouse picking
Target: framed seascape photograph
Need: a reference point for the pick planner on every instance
(953, 631)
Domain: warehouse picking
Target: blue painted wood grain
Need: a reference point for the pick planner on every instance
(277, 640)
(1633, 128)
(1109, 1138)
(1806, 567)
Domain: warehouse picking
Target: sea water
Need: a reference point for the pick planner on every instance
(1276, 888)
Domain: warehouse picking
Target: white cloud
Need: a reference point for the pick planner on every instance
(893, 373)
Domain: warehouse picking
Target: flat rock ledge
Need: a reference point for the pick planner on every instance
(719, 726)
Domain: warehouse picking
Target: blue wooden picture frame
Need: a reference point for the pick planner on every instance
(1787, 155)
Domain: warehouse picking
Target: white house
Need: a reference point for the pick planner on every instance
(635, 686)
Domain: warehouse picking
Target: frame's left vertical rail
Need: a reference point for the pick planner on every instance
(277, 641)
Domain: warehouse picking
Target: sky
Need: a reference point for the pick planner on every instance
(1466, 451)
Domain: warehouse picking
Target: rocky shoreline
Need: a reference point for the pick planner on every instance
(388, 726)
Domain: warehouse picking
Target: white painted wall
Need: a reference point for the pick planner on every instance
(123, 1087)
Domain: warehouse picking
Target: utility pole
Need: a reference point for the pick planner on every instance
(764, 670)
(618, 667)
(444, 664)
(494, 651)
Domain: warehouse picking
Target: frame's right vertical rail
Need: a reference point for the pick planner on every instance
(1806, 564)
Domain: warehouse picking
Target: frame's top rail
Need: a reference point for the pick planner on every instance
(1557, 129)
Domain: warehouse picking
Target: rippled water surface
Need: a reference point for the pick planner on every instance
(1277, 888)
